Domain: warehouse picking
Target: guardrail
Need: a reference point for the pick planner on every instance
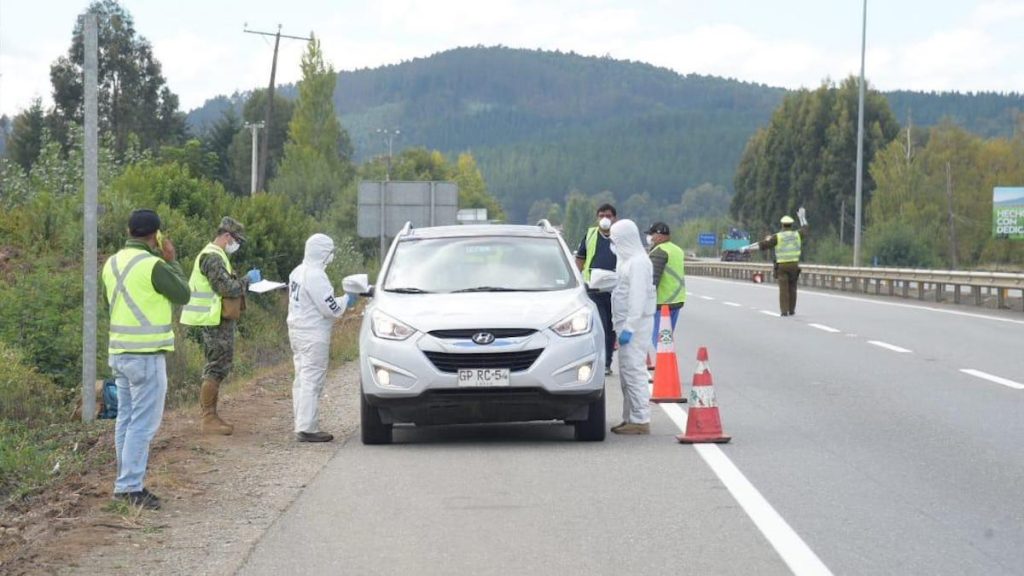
(982, 288)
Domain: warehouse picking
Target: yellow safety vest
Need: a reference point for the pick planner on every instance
(203, 308)
(788, 247)
(140, 317)
(672, 285)
(591, 250)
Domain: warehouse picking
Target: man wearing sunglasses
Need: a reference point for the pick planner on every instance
(213, 280)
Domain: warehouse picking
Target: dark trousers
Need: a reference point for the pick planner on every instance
(604, 308)
(787, 275)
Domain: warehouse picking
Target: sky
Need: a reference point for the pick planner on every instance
(960, 45)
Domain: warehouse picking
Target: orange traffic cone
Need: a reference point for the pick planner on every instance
(703, 424)
(667, 387)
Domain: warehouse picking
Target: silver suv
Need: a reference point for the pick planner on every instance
(473, 324)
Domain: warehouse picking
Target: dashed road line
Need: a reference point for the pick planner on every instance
(770, 313)
(733, 304)
(789, 545)
(707, 298)
(828, 329)
(992, 378)
(888, 346)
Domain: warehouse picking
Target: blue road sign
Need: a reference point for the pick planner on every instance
(707, 239)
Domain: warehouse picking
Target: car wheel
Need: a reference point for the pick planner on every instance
(592, 429)
(374, 431)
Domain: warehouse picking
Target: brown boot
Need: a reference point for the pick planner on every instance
(211, 423)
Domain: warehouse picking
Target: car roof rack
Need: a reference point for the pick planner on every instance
(546, 226)
(406, 229)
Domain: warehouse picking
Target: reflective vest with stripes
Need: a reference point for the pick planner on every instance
(140, 317)
(788, 247)
(591, 251)
(203, 308)
(672, 286)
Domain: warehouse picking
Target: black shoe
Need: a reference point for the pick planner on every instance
(608, 371)
(143, 498)
(784, 314)
(314, 437)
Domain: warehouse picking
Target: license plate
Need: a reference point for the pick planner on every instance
(483, 377)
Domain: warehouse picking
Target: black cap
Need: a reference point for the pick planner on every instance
(658, 228)
(142, 223)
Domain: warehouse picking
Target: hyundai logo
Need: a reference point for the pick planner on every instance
(483, 338)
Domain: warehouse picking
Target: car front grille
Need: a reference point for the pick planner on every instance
(469, 333)
(514, 361)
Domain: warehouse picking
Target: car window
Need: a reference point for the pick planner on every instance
(484, 264)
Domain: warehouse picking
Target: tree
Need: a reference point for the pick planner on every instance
(217, 140)
(579, 215)
(313, 171)
(26, 140)
(473, 189)
(239, 153)
(134, 100)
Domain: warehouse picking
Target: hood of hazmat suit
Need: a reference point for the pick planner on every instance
(312, 306)
(633, 299)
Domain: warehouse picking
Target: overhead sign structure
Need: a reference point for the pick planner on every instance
(385, 206)
(707, 239)
(1008, 212)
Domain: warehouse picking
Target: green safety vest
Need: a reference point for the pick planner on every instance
(140, 317)
(203, 308)
(788, 247)
(672, 286)
(591, 250)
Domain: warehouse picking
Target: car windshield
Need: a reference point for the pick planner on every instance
(479, 264)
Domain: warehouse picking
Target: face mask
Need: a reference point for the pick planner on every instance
(330, 258)
(605, 223)
(232, 247)
(650, 239)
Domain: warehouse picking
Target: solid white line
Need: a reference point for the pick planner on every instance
(732, 304)
(707, 297)
(992, 378)
(888, 346)
(828, 329)
(818, 292)
(770, 313)
(793, 550)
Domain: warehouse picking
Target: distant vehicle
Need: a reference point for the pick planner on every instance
(472, 324)
(732, 244)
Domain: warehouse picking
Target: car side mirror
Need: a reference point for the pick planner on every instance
(357, 284)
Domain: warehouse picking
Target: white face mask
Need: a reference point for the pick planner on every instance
(232, 247)
(650, 240)
(605, 223)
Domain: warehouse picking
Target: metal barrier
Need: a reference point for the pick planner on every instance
(982, 288)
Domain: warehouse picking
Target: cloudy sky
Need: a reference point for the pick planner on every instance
(959, 45)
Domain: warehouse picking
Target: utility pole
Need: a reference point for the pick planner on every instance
(89, 266)
(952, 220)
(842, 221)
(262, 179)
(860, 143)
(254, 126)
(389, 136)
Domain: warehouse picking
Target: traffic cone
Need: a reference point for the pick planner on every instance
(667, 387)
(703, 424)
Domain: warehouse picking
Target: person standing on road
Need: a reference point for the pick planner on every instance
(141, 282)
(218, 297)
(788, 244)
(312, 311)
(669, 275)
(593, 253)
(633, 303)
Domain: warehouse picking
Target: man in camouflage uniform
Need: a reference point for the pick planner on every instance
(213, 279)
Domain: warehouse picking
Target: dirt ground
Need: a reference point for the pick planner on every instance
(220, 493)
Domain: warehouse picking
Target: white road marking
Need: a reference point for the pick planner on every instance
(816, 292)
(888, 346)
(793, 550)
(991, 378)
(828, 329)
(732, 304)
(707, 297)
(770, 313)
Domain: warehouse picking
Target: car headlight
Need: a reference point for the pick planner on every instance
(386, 327)
(574, 324)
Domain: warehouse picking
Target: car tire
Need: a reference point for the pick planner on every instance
(374, 430)
(593, 428)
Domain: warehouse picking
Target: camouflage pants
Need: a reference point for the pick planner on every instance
(219, 347)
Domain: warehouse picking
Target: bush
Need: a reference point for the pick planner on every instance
(26, 396)
(897, 245)
(828, 250)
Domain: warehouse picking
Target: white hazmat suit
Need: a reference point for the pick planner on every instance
(312, 311)
(633, 304)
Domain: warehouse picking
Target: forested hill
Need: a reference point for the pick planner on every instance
(544, 123)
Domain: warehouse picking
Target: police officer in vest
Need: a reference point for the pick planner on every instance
(213, 279)
(787, 244)
(595, 252)
(141, 282)
(669, 274)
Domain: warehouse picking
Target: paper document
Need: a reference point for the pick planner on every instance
(265, 286)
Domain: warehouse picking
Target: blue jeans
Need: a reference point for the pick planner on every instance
(673, 315)
(141, 389)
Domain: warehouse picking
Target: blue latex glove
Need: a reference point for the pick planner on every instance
(352, 299)
(625, 337)
(254, 275)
